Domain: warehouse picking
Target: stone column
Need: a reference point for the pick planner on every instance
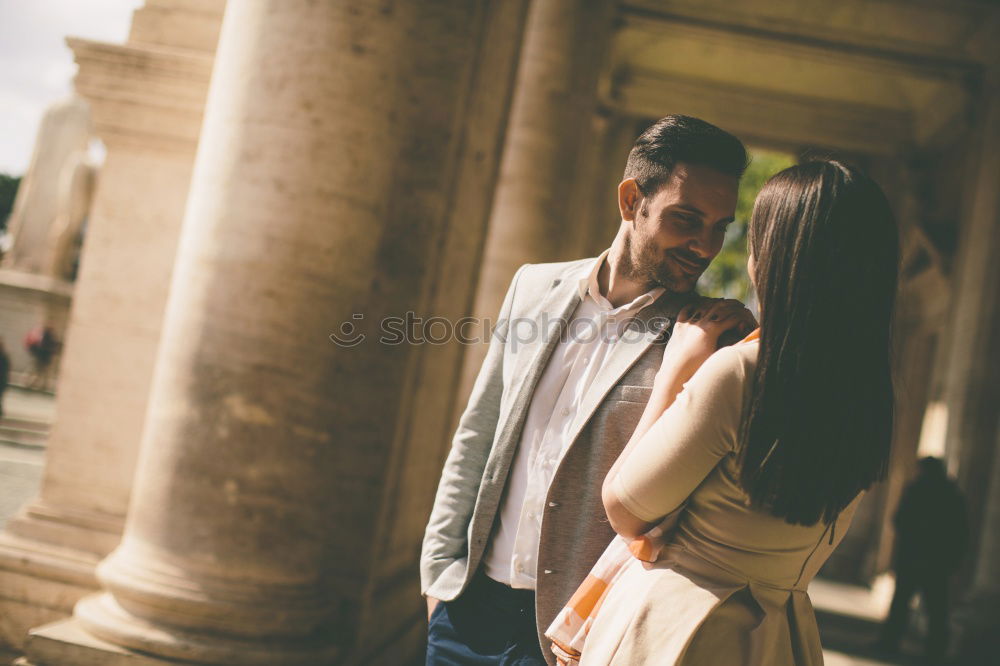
(146, 99)
(561, 59)
(978, 641)
(972, 389)
(596, 199)
(331, 153)
(392, 621)
(922, 312)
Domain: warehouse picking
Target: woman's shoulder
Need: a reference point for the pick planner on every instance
(745, 353)
(724, 376)
(733, 362)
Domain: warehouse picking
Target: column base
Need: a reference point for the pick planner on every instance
(39, 583)
(90, 532)
(105, 622)
(66, 643)
(48, 558)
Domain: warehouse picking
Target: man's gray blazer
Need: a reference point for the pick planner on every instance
(574, 530)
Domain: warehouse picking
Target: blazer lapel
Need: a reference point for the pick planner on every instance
(650, 322)
(555, 310)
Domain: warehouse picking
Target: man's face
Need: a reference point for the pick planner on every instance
(680, 228)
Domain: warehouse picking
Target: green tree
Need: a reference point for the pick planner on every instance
(8, 190)
(726, 276)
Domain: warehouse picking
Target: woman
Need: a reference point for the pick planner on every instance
(768, 447)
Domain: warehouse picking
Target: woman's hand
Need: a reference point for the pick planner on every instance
(697, 331)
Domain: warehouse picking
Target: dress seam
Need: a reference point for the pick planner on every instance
(808, 558)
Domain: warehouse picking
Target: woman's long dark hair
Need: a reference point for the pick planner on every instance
(826, 255)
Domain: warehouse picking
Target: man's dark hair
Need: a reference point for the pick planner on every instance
(676, 139)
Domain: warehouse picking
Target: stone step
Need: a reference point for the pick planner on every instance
(23, 432)
(24, 422)
(20, 477)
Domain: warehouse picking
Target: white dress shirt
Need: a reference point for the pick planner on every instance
(512, 555)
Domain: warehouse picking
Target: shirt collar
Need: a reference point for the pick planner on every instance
(590, 284)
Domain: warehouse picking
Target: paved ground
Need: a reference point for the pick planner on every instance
(23, 429)
(849, 617)
(38, 405)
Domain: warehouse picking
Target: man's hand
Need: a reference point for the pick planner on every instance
(431, 605)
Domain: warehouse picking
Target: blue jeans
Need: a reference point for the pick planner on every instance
(488, 624)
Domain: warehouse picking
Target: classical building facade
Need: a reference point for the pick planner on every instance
(226, 484)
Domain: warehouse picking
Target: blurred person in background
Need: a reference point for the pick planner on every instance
(42, 345)
(932, 537)
(4, 373)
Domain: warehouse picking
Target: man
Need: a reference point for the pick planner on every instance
(932, 537)
(517, 521)
(4, 373)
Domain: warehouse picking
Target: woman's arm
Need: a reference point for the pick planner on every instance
(694, 339)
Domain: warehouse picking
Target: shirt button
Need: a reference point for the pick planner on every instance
(566, 411)
(518, 568)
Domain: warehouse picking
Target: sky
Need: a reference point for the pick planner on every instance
(36, 66)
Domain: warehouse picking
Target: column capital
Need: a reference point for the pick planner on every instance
(150, 96)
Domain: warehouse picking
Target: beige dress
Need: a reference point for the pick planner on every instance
(730, 588)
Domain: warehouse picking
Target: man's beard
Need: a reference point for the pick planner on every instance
(644, 263)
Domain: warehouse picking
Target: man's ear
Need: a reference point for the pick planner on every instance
(629, 198)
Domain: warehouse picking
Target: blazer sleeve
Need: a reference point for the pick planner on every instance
(686, 442)
(446, 534)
